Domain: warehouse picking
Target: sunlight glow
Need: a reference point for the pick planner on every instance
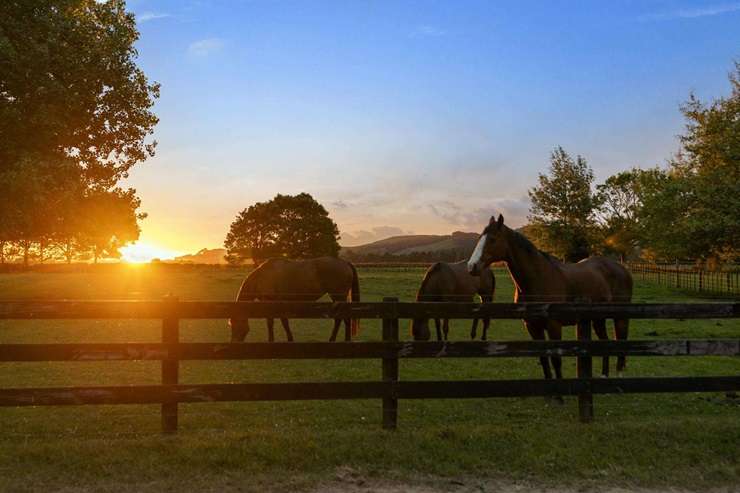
(139, 253)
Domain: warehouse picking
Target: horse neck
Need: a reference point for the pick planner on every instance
(527, 266)
(246, 291)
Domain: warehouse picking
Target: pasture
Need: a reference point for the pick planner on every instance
(688, 440)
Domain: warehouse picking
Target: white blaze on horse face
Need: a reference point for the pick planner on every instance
(477, 253)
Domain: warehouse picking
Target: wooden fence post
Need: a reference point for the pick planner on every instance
(170, 366)
(390, 371)
(585, 364)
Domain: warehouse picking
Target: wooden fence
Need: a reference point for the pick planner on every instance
(689, 277)
(390, 387)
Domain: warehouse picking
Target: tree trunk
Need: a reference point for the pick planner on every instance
(26, 246)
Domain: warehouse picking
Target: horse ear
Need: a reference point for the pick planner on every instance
(500, 221)
(492, 221)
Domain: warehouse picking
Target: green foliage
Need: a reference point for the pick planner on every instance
(622, 197)
(290, 226)
(70, 87)
(696, 213)
(564, 207)
(74, 118)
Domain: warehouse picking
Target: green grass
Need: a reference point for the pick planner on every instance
(687, 440)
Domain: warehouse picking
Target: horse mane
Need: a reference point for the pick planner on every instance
(523, 242)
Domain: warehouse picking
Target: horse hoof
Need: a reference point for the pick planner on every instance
(620, 374)
(603, 375)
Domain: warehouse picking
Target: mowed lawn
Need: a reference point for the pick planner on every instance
(684, 440)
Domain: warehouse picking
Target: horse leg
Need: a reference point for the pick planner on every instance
(347, 329)
(555, 333)
(446, 327)
(537, 332)
(474, 329)
(486, 298)
(337, 323)
(271, 329)
(621, 329)
(438, 326)
(600, 329)
(286, 327)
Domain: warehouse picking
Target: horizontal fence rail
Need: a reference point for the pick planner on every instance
(170, 352)
(370, 310)
(198, 351)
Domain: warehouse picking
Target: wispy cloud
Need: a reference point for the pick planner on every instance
(150, 16)
(693, 13)
(427, 31)
(205, 47)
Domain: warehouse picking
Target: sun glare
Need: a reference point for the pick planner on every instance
(140, 253)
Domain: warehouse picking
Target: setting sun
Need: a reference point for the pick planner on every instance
(139, 253)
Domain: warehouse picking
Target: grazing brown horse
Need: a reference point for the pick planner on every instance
(281, 279)
(452, 282)
(540, 277)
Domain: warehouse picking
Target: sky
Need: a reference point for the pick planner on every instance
(402, 117)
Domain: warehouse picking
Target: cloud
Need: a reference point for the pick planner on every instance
(339, 204)
(427, 31)
(514, 211)
(150, 16)
(205, 47)
(362, 237)
(711, 10)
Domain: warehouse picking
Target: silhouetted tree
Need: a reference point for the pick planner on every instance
(290, 226)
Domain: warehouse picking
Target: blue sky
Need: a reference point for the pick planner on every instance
(423, 117)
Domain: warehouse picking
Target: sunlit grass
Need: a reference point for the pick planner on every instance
(287, 442)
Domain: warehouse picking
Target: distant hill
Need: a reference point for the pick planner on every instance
(204, 256)
(450, 247)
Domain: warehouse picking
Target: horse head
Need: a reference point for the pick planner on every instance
(491, 246)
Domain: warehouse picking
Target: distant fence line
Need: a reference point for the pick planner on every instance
(389, 387)
(689, 277)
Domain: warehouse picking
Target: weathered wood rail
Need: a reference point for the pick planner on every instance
(170, 352)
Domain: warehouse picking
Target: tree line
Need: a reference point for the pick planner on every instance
(687, 210)
(75, 115)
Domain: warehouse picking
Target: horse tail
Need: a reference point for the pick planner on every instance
(354, 297)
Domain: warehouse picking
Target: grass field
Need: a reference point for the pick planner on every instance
(687, 440)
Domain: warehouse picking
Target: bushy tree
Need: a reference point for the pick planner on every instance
(696, 213)
(622, 197)
(75, 114)
(286, 226)
(564, 207)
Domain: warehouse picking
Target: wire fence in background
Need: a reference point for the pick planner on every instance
(689, 277)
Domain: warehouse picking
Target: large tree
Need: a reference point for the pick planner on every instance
(70, 87)
(622, 197)
(564, 205)
(286, 226)
(696, 214)
(72, 103)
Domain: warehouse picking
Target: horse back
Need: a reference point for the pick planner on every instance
(599, 279)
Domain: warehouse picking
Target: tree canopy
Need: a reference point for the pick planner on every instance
(564, 206)
(294, 226)
(75, 116)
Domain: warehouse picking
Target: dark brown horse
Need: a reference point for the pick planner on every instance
(452, 282)
(540, 277)
(281, 279)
